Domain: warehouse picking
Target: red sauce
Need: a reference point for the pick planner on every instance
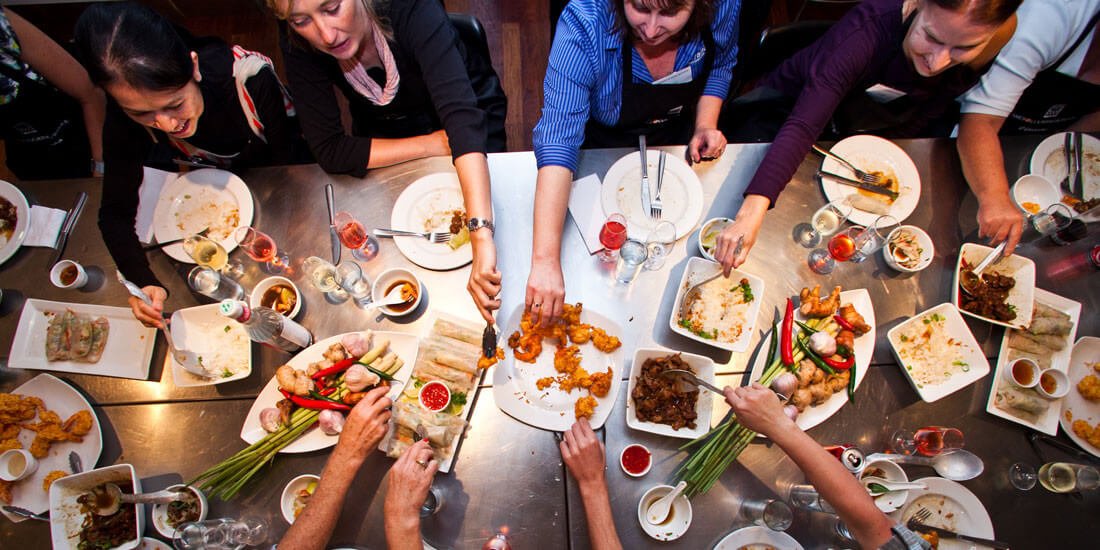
(1049, 384)
(635, 459)
(1024, 373)
(435, 396)
(68, 275)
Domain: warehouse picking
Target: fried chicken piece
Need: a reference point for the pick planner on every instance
(604, 341)
(567, 359)
(543, 383)
(486, 362)
(40, 447)
(79, 424)
(848, 313)
(814, 306)
(1086, 431)
(1089, 387)
(580, 333)
(15, 408)
(579, 378)
(8, 431)
(52, 477)
(585, 407)
(5, 491)
(601, 383)
(9, 444)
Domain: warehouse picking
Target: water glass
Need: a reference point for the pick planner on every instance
(322, 275)
(824, 222)
(805, 496)
(872, 238)
(631, 257)
(433, 503)
(1067, 477)
(353, 280)
(212, 284)
(1053, 219)
(771, 513)
(1022, 476)
(220, 534)
(658, 244)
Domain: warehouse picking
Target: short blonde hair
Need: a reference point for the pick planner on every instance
(281, 9)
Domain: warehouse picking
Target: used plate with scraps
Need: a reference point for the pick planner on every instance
(873, 154)
(681, 193)
(222, 345)
(937, 352)
(427, 205)
(216, 200)
(953, 507)
(13, 235)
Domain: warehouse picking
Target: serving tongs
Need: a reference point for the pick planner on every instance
(970, 279)
(489, 341)
(186, 358)
(110, 498)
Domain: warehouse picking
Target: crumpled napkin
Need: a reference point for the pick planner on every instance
(586, 209)
(148, 194)
(44, 226)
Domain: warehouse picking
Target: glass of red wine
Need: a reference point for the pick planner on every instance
(261, 247)
(853, 244)
(354, 235)
(612, 237)
(927, 441)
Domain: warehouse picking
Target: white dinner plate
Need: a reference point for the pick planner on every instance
(865, 347)
(873, 153)
(976, 365)
(204, 331)
(1086, 353)
(681, 194)
(1049, 160)
(953, 507)
(704, 369)
(552, 409)
(756, 534)
(127, 353)
(752, 311)
(64, 400)
(1021, 296)
(22, 220)
(420, 208)
(1048, 422)
(404, 345)
(202, 198)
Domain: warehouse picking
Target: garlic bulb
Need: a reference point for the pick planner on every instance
(785, 384)
(791, 411)
(269, 419)
(358, 378)
(331, 422)
(357, 344)
(823, 344)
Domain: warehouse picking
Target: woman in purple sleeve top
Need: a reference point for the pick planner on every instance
(888, 67)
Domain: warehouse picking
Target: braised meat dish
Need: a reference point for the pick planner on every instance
(659, 399)
(989, 297)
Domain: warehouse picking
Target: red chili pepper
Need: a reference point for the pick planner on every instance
(843, 364)
(844, 324)
(317, 404)
(340, 366)
(785, 350)
(327, 391)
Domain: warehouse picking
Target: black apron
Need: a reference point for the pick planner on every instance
(665, 113)
(1054, 100)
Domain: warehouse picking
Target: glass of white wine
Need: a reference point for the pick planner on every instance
(209, 253)
(322, 275)
(1067, 477)
(825, 221)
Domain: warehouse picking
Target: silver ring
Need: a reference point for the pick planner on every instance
(422, 464)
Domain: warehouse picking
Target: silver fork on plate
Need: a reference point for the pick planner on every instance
(865, 177)
(433, 236)
(655, 207)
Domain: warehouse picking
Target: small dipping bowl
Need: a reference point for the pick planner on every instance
(1053, 384)
(260, 292)
(68, 274)
(924, 242)
(679, 516)
(16, 464)
(160, 511)
(387, 281)
(432, 393)
(1033, 193)
(890, 471)
(633, 457)
(709, 233)
(1023, 372)
(290, 492)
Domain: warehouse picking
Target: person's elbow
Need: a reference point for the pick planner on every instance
(335, 158)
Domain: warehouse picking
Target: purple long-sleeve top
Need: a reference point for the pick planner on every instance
(861, 50)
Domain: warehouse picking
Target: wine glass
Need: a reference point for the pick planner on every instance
(659, 243)
(1054, 218)
(322, 275)
(1067, 477)
(1022, 476)
(853, 244)
(927, 441)
(824, 222)
(209, 253)
(612, 236)
(261, 247)
(353, 235)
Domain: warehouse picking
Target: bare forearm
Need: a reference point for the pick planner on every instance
(706, 112)
(403, 531)
(551, 202)
(601, 524)
(387, 152)
(982, 159)
(313, 528)
(95, 112)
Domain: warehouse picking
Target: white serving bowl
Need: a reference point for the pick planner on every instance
(928, 249)
(703, 367)
(888, 502)
(286, 502)
(386, 280)
(160, 511)
(713, 225)
(679, 518)
(1035, 189)
(264, 285)
(65, 515)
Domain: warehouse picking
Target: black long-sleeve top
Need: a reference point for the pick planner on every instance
(443, 86)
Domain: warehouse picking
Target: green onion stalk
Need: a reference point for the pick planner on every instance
(712, 453)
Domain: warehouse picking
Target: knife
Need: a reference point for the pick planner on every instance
(946, 534)
(67, 226)
(75, 463)
(25, 513)
(1078, 163)
(865, 186)
(335, 239)
(645, 174)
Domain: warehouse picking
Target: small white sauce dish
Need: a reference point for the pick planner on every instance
(385, 282)
(290, 492)
(16, 464)
(894, 257)
(263, 286)
(679, 517)
(649, 459)
(160, 511)
(1058, 379)
(78, 281)
(708, 233)
(893, 500)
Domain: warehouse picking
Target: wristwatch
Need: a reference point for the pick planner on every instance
(473, 224)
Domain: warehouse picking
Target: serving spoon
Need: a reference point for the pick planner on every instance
(689, 377)
(888, 486)
(393, 298)
(956, 465)
(186, 358)
(110, 499)
(657, 512)
(970, 279)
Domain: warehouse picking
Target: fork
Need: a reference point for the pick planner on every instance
(433, 236)
(655, 206)
(865, 177)
(922, 515)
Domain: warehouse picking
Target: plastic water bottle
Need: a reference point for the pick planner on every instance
(267, 326)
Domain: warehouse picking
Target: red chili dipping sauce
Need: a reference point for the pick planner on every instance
(635, 459)
(435, 396)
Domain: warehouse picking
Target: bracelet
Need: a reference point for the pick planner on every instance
(97, 166)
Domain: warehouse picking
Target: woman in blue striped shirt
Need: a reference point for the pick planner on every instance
(618, 69)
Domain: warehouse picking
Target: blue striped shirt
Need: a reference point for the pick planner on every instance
(584, 75)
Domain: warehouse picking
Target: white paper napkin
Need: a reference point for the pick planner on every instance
(151, 184)
(586, 210)
(45, 224)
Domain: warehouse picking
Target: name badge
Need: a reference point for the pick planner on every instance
(883, 94)
(683, 76)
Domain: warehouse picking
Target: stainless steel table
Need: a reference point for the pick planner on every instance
(507, 474)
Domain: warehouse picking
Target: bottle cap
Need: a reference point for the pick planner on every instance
(232, 308)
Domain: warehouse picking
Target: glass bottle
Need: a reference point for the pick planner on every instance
(266, 326)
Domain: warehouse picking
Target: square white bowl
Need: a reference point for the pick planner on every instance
(699, 265)
(1021, 296)
(703, 367)
(65, 515)
(971, 353)
(203, 330)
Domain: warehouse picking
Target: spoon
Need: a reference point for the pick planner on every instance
(657, 512)
(689, 377)
(186, 358)
(956, 465)
(108, 500)
(970, 279)
(700, 278)
(888, 486)
(392, 299)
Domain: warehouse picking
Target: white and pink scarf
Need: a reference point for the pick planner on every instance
(356, 74)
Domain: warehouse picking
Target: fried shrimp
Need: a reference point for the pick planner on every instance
(814, 306)
(604, 341)
(580, 333)
(585, 407)
(79, 424)
(52, 477)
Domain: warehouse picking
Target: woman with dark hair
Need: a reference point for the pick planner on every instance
(887, 67)
(414, 90)
(619, 69)
(174, 97)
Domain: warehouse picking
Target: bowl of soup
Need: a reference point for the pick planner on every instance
(279, 294)
(401, 280)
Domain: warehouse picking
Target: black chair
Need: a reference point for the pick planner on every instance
(486, 83)
(777, 44)
(471, 32)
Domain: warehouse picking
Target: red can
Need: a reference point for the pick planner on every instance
(849, 455)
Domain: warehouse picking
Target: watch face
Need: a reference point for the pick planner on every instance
(473, 224)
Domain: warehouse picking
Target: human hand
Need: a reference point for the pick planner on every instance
(545, 292)
(150, 315)
(583, 454)
(484, 284)
(1000, 220)
(758, 409)
(366, 424)
(743, 230)
(410, 478)
(706, 144)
